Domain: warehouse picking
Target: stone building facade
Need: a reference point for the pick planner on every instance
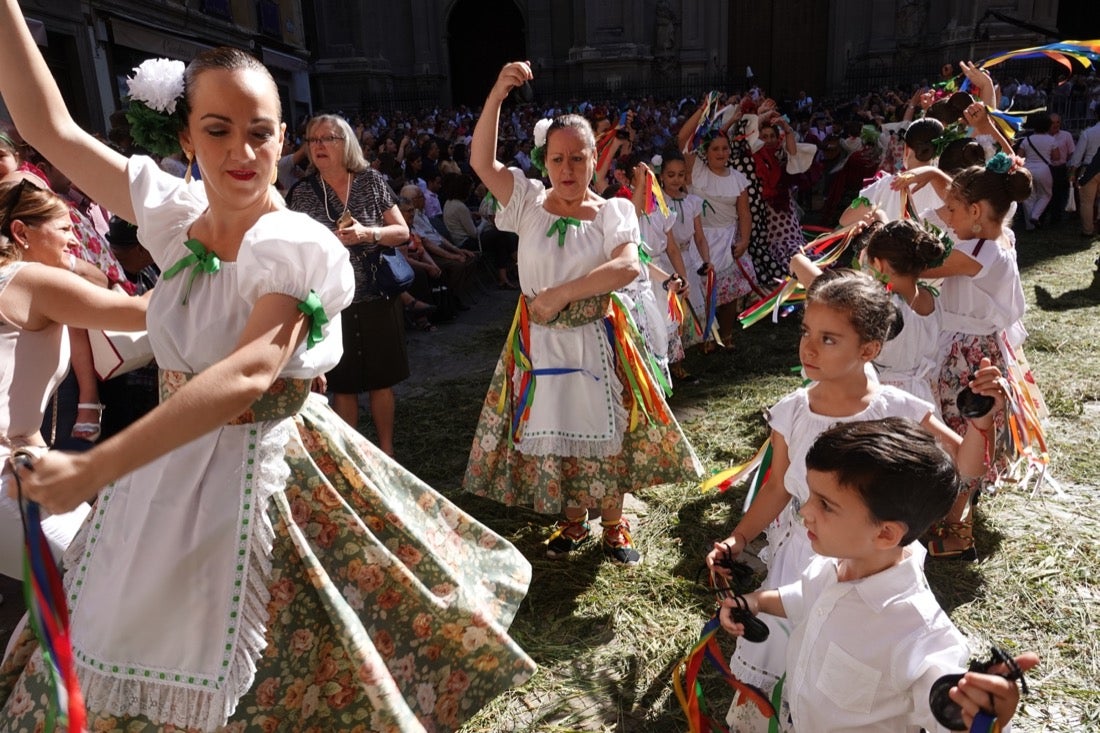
(356, 54)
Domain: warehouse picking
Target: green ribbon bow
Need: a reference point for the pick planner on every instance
(200, 260)
(315, 311)
(561, 226)
(643, 256)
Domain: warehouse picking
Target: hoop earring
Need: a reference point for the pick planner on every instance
(190, 160)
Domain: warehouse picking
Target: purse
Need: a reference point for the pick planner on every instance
(391, 272)
(119, 352)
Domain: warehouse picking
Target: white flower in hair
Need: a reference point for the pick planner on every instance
(158, 83)
(657, 160)
(541, 127)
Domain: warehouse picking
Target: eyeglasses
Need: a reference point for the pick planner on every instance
(326, 140)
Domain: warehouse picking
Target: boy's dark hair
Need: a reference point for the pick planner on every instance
(896, 466)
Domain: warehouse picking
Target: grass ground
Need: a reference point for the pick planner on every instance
(606, 638)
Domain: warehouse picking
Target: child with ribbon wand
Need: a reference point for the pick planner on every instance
(847, 318)
(863, 601)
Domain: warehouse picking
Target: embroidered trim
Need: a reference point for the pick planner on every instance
(187, 699)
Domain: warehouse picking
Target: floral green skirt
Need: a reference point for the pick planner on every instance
(388, 610)
(652, 453)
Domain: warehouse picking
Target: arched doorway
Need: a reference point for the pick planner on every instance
(482, 36)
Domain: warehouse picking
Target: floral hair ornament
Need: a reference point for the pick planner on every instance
(156, 112)
(1000, 163)
(538, 153)
(656, 162)
(951, 133)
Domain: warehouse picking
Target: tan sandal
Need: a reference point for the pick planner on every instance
(937, 549)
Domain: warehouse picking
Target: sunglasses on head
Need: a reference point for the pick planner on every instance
(16, 197)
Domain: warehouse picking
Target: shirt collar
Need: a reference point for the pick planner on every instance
(880, 589)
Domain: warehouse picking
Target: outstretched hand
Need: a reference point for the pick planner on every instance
(990, 691)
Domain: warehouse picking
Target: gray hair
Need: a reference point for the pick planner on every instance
(353, 152)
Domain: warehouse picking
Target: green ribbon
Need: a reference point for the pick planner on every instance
(200, 260)
(644, 257)
(930, 288)
(861, 201)
(315, 311)
(706, 205)
(561, 226)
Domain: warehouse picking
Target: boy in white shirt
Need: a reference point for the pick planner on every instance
(869, 638)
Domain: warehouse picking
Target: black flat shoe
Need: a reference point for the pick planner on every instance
(418, 308)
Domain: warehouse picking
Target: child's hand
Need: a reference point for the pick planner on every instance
(987, 381)
(990, 692)
(724, 552)
(737, 616)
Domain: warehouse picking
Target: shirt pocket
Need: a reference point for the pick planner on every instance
(847, 682)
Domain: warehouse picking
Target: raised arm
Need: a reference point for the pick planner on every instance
(483, 147)
(40, 115)
(683, 137)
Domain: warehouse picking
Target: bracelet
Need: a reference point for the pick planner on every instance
(744, 542)
(72, 262)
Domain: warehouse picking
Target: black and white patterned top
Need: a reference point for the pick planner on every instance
(369, 199)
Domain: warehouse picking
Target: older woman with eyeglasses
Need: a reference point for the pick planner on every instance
(345, 194)
(39, 296)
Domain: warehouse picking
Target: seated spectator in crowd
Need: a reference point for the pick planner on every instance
(458, 264)
(431, 186)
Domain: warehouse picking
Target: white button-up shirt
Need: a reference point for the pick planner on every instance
(864, 654)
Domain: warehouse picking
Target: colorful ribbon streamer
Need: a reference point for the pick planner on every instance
(710, 330)
(200, 260)
(734, 475)
(675, 308)
(689, 692)
(49, 618)
(824, 251)
(655, 198)
(645, 381)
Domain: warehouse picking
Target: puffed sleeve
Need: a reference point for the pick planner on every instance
(781, 417)
(525, 193)
(620, 225)
(290, 253)
(742, 182)
(164, 207)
